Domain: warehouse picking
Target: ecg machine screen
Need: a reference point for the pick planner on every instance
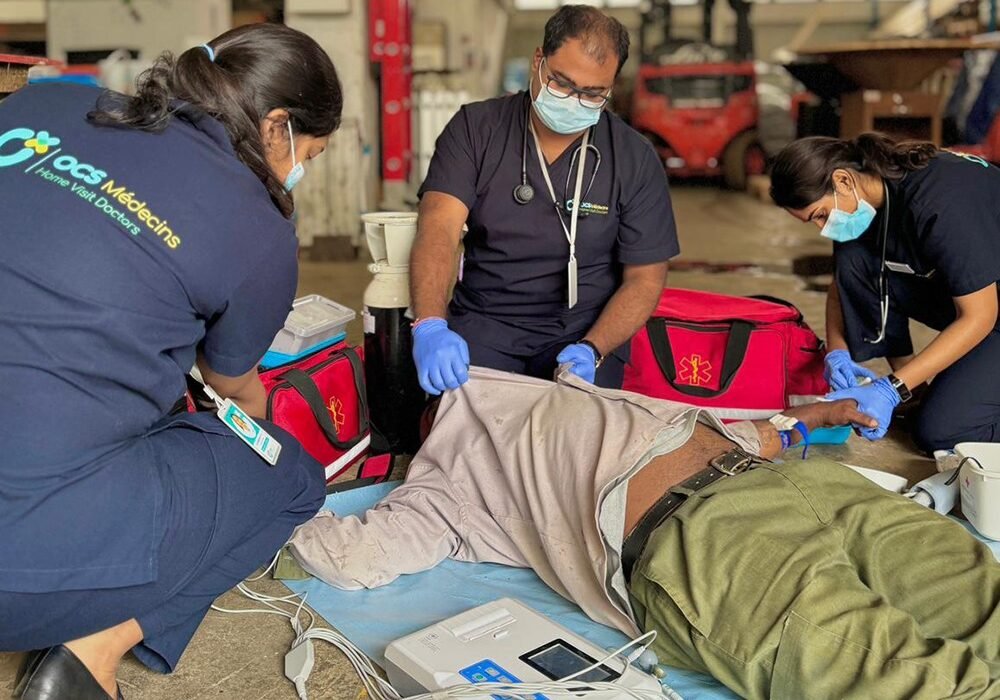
(559, 659)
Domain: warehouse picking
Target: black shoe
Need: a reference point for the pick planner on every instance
(60, 675)
(26, 668)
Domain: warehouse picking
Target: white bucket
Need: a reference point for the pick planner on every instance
(390, 236)
(979, 481)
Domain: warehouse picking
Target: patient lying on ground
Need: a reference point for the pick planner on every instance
(796, 580)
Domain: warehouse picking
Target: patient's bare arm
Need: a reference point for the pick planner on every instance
(651, 483)
(825, 414)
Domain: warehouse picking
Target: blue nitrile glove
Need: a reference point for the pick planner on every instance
(876, 400)
(441, 356)
(581, 359)
(842, 372)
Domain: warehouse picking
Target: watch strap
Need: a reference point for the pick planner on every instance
(904, 391)
(598, 357)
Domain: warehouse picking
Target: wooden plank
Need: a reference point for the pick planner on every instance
(893, 45)
(891, 64)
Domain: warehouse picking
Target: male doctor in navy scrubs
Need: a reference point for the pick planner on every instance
(569, 221)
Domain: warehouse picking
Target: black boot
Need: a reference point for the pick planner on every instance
(60, 675)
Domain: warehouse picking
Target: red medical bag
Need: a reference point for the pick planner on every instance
(743, 357)
(321, 400)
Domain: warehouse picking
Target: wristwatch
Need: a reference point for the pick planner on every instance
(598, 357)
(904, 391)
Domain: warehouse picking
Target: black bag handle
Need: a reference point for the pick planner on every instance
(736, 352)
(779, 301)
(306, 387)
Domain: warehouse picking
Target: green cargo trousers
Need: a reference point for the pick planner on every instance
(805, 581)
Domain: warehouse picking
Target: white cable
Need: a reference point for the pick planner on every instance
(299, 660)
(266, 571)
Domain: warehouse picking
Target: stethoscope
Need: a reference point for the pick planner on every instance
(883, 282)
(524, 193)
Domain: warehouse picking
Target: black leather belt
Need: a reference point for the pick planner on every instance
(734, 462)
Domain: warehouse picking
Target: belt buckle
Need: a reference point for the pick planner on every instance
(734, 462)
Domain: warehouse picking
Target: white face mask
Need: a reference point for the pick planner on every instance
(298, 171)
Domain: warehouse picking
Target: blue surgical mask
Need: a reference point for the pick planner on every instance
(842, 226)
(563, 115)
(297, 172)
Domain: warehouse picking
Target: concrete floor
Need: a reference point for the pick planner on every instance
(240, 656)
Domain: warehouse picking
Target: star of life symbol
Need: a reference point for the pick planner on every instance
(336, 409)
(695, 370)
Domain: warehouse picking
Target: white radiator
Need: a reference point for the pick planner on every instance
(433, 109)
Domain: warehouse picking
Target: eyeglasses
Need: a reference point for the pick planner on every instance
(563, 90)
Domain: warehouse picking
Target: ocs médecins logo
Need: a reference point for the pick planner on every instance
(38, 143)
(18, 146)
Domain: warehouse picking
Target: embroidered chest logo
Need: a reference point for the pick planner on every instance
(336, 409)
(695, 370)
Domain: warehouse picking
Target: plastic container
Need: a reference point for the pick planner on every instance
(831, 436)
(277, 359)
(314, 319)
(979, 481)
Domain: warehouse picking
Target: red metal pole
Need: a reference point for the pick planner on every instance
(390, 45)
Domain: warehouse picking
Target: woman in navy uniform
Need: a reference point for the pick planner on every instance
(916, 234)
(140, 236)
(569, 220)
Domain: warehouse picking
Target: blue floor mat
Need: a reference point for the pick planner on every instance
(373, 618)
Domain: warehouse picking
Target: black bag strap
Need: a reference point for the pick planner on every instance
(362, 481)
(353, 484)
(306, 387)
(736, 352)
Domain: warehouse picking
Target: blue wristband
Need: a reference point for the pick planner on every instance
(804, 432)
(786, 439)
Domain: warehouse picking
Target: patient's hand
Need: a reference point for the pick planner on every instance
(829, 414)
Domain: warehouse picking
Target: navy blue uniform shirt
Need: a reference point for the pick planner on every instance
(516, 255)
(944, 221)
(123, 252)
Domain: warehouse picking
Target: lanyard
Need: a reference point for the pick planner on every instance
(570, 231)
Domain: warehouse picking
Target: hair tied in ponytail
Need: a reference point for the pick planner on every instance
(268, 67)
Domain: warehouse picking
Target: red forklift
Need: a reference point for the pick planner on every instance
(696, 102)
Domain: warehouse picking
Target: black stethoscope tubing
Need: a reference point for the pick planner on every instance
(883, 282)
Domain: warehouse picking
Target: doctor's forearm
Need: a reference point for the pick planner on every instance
(834, 320)
(432, 270)
(624, 314)
(434, 253)
(976, 318)
(953, 343)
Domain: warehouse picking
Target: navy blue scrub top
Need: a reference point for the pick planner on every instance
(516, 255)
(944, 221)
(123, 253)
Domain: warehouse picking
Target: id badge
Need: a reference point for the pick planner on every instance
(571, 273)
(249, 431)
(905, 269)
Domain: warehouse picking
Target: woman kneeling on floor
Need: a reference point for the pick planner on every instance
(916, 234)
(141, 235)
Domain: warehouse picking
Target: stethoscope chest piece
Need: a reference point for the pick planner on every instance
(524, 193)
